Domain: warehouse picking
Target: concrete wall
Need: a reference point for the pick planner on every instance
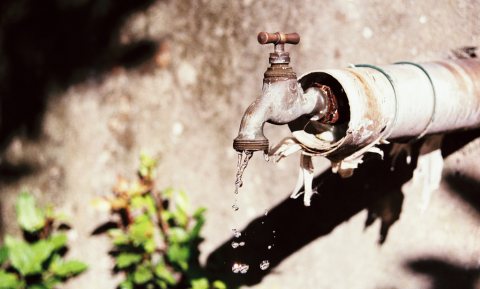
(184, 104)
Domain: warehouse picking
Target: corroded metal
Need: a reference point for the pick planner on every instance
(399, 102)
(278, 38)
(283, 99)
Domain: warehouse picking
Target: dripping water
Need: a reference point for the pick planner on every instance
(264, 265)
(242, 164)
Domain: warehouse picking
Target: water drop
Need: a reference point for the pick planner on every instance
(264, 265)
(235, 207)
(269, 247)
(236, 245)
(266, 157)
(240, 268)
(266, 212)
(236, 233)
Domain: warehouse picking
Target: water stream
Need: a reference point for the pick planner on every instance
(242, 163)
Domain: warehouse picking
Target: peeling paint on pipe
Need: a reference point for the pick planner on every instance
(399, 101)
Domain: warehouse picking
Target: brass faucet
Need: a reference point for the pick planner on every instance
(283, 99)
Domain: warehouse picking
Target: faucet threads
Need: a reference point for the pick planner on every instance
(250, 145)
(278, 72)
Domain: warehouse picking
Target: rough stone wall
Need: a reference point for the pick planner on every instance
(185, 105)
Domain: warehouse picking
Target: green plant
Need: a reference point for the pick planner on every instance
(155, 238)
(36, 262)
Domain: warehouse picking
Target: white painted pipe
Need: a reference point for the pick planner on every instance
(399, 101)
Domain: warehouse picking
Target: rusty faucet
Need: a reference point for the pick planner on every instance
(283, 99)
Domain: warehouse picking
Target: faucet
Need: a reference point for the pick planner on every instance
(283, 99)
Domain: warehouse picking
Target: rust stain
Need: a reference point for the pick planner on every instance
(372, 112)
(465, 71)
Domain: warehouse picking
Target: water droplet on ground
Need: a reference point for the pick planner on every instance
(264, 265)
(240, 268)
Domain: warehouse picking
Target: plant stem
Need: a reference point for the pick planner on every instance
(164, 227)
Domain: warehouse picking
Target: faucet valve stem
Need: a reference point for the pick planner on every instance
(278, 38)
(279, 58)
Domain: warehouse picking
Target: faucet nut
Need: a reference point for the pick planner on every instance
(250, 145)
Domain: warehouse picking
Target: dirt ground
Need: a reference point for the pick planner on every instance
(184, 103)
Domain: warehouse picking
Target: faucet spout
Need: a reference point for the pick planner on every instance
(281, 102)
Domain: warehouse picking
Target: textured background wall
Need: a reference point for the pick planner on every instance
(196, 69)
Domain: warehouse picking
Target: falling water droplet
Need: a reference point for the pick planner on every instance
(269, 247)
(235, 207)
(266, 212)
(236, 245)
(264, 265)
(236, 233)
(240, 268)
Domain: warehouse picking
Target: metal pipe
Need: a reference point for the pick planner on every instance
(400, 101)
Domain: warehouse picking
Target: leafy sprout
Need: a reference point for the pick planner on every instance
(155, 236)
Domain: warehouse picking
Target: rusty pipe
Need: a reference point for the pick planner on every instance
(400, 101)
(281, 102)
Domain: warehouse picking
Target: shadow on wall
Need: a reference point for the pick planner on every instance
(445, 275)
(53, 44)
(289, 226)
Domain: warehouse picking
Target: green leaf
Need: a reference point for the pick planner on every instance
(161, 271)
(179, 255)
(42, 250)
(142, 275)
(29, 217)
(58, 241)
(167, 215)
(141, 230)
(70, 268)
(181, 218)
(162, 284)
(219, 285)
(199, 222)
(8, 280)
(3, 254)
(125, 260)
(147, 166)
(52, 281)
(145, 203)
(22, 256)
(177, 235)
(150, 246)
(127, 284)
(119, 238)
(201, 283)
